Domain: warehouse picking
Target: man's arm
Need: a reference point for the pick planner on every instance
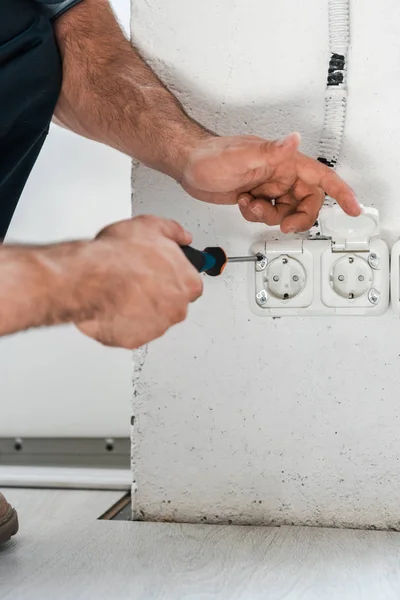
(105, 286)
(39, 287)
(111, 95)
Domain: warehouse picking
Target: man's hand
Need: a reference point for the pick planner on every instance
(111, 95)
(144, 281)
(125, 288)
(272, 182)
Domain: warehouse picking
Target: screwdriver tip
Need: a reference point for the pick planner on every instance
(254, 258)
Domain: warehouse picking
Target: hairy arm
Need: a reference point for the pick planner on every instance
(105, 286)
(111, 95)
(41, 285)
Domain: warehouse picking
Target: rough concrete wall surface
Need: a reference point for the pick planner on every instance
(253, 420)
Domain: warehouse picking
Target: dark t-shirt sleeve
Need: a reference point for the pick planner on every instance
(55, 8)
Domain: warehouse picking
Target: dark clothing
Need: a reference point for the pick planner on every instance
(55, 8)
(30, 82)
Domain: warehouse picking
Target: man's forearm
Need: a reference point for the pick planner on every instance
(111, 95)
(40, 286)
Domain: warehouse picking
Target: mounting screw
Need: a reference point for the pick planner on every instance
(276, 278)
(261, 264)
(284, 260)
(295, 277)
(341, 277)
(374, 296)
(373, 260)
(18, 444)
(109, 444)
(361, 278)
(261, 297)
(351, 260)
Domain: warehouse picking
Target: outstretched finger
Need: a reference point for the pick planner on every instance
(318, 174)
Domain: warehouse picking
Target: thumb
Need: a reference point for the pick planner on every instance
(279, 151)
(287, 148)
(282, 150)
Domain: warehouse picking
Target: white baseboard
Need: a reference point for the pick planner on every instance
(63, 477)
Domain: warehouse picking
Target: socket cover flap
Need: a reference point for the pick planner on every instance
(335, 224)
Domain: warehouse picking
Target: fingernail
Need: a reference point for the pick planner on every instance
(243, 202)
(284, 140)
(257, 212)
(289, 138)
(291, 230)
(357, 201)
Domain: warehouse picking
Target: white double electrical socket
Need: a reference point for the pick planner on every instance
(344, 271)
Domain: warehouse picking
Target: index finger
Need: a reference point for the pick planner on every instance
(175, 232)
(316, 173)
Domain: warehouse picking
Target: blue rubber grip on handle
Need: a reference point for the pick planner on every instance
(202, 261)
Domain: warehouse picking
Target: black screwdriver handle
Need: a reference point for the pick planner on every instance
(210, 260)
(196, 257)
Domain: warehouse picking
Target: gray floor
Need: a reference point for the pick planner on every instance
(63, 552)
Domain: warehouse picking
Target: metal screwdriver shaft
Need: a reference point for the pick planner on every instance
(239, 259)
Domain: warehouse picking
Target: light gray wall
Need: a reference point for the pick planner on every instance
(57, 382)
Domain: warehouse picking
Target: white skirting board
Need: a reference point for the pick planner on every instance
(55, 477)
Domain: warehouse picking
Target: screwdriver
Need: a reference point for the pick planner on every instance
(212, 260)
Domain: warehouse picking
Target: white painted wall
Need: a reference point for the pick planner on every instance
(57, 382)
(256, 420)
